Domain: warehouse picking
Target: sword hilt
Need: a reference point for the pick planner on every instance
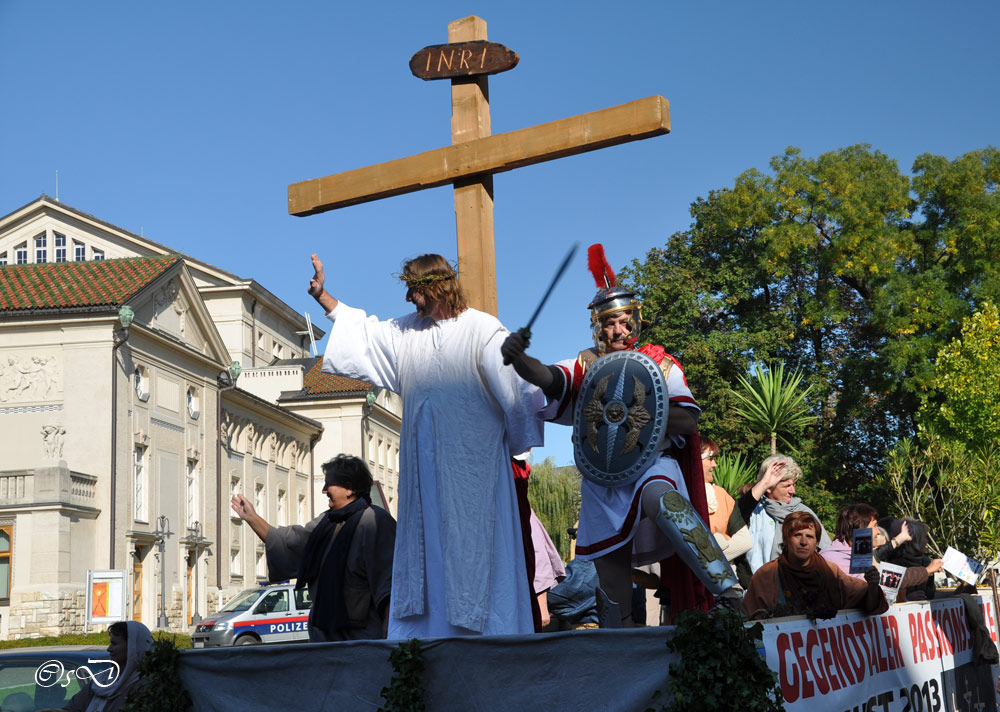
(525, 333)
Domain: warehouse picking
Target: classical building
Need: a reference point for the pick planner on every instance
(116, 431)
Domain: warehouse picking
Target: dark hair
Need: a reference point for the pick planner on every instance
(796, 522)
(350, 473)
(709, 445)
(851, 517)
(119, 629)
(435, 278)
(908, 550)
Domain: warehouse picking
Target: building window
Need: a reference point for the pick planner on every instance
(41, 253)
(234, 489)
(140, 489)
(193, 403)
(6, 538)
(260, 569)
(258, 498)
(140, 378)
(281, 508)
(3, 258)
(98, 254)
(277, 350)
(79, 251)
(300, 510)
(21, 254)
(235, 562)
(191, 489)
(60, 253)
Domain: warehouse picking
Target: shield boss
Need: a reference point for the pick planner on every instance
(620, 418)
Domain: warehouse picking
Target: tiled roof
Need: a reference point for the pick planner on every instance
(43, 198)
(316, 383)
(76, 285)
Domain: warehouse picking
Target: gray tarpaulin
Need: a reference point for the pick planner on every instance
(595, 670)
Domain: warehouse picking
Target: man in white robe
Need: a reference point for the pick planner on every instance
(459, 565)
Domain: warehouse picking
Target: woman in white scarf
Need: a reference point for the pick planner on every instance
(107, 692)
(777, 502)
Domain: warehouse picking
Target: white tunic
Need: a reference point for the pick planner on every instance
(459, 562)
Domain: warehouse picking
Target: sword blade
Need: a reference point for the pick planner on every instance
(526, 330)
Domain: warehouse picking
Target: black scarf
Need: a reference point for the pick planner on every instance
(329, 612)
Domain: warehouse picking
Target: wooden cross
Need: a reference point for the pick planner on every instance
(473, 158)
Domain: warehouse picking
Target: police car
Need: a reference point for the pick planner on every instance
(268, 614)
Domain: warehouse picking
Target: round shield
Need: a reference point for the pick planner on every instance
(620, 418)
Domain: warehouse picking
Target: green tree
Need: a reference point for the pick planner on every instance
(951, 488)
(968, 379)
(554, 494)
(841, 266)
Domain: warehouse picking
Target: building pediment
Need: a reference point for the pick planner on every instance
(172, 306)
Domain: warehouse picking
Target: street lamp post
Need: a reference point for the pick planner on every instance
(161, 533)
(194, 535)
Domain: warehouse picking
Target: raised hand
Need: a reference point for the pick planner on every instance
(241, 505)
(316, 283)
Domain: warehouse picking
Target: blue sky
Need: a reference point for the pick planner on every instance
(186, 121)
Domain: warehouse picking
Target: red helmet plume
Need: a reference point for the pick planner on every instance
(597, 263)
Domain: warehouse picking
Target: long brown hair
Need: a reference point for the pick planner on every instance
(435, 278)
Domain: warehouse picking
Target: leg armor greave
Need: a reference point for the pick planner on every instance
(694, 543)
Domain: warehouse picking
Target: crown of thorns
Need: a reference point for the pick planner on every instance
(426, 279)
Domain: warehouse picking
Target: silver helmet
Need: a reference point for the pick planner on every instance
(611, 300)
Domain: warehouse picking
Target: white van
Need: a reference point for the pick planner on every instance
(269, 614)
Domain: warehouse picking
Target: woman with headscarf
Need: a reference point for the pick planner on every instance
(806, 582)
(766, 506)
(911, 554)
(108, 691)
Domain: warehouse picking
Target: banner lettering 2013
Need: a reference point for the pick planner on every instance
(917, 657)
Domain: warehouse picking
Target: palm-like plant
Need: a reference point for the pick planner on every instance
(774, 403)
(733, 471)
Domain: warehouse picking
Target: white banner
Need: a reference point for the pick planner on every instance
(916, 657)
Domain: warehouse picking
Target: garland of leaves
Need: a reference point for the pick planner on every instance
(161, 690)
(719, 668)
(405, 692)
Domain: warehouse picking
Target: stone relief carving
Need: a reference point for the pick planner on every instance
(29, 378)
(52, 440)
(230, 426)
(169, 311)
(251, 432)
(272, 446)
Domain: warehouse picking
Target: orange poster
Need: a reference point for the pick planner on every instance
(99, 599)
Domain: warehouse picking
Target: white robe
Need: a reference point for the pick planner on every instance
(459, 563)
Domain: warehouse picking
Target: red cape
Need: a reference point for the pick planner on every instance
(687, 592)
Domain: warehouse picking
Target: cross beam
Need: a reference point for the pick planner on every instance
(475, 156)
(635, 120)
